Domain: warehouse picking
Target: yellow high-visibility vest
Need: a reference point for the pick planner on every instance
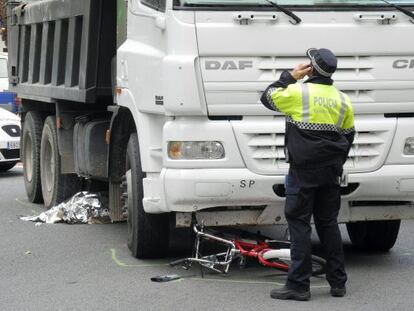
(313, 106)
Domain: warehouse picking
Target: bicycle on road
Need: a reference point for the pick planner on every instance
(269, 253)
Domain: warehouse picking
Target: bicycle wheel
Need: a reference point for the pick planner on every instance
(277, 258)
(318, 265)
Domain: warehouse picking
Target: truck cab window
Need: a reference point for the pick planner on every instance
(158, 5)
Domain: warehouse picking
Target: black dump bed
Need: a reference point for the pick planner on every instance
(61, 49)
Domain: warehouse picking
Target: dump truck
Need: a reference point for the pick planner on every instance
(156, 102)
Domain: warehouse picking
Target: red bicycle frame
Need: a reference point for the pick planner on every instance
(256, 250)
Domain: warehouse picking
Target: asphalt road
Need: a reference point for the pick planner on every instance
(89, 267)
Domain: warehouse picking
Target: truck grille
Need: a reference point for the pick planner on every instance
(267, 150)
(263, 147)
(349, 67)
(367, 80)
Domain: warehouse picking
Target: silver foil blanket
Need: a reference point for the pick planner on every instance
(83, 208)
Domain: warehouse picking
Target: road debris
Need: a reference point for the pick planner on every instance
(83, 208)
(166, 278)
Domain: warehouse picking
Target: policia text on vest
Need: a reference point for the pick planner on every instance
(320, 121)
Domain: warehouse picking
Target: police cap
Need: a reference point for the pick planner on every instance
(323, 61)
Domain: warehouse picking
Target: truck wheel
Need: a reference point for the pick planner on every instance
(148, 234)
(30, 155)
(56, 187)
(4, 167)
(374, 235)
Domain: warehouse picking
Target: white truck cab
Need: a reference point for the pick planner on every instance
(213, 60)
(186, 112)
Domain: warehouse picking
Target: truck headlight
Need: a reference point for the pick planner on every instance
(195, 150)
(409, 146)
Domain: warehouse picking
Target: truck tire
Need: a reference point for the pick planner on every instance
(374, 235)
(148, 234)
(56, 187)
(30, 155)
(4, 167)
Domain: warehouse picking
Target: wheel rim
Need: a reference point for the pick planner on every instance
(48, 166)
(129, 199)
(129, 212)
(28, 158)
(317, 267)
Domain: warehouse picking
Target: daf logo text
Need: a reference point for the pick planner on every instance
(228, 65)
(403, 64)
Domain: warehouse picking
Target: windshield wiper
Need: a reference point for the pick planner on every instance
(297, 19)
(401, 9)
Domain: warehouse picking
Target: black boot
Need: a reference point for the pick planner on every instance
(338, 291)
(288, 293)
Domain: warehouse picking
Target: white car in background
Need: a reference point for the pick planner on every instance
(9, 140)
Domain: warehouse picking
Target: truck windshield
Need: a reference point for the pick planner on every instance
(291, 3)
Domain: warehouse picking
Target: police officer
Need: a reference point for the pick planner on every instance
(319, 135)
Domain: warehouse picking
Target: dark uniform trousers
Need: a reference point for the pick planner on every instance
(317, 192)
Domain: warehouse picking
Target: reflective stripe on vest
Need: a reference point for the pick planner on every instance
(342, 112)
(305, 102)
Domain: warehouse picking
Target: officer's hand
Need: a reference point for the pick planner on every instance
(301, 71)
